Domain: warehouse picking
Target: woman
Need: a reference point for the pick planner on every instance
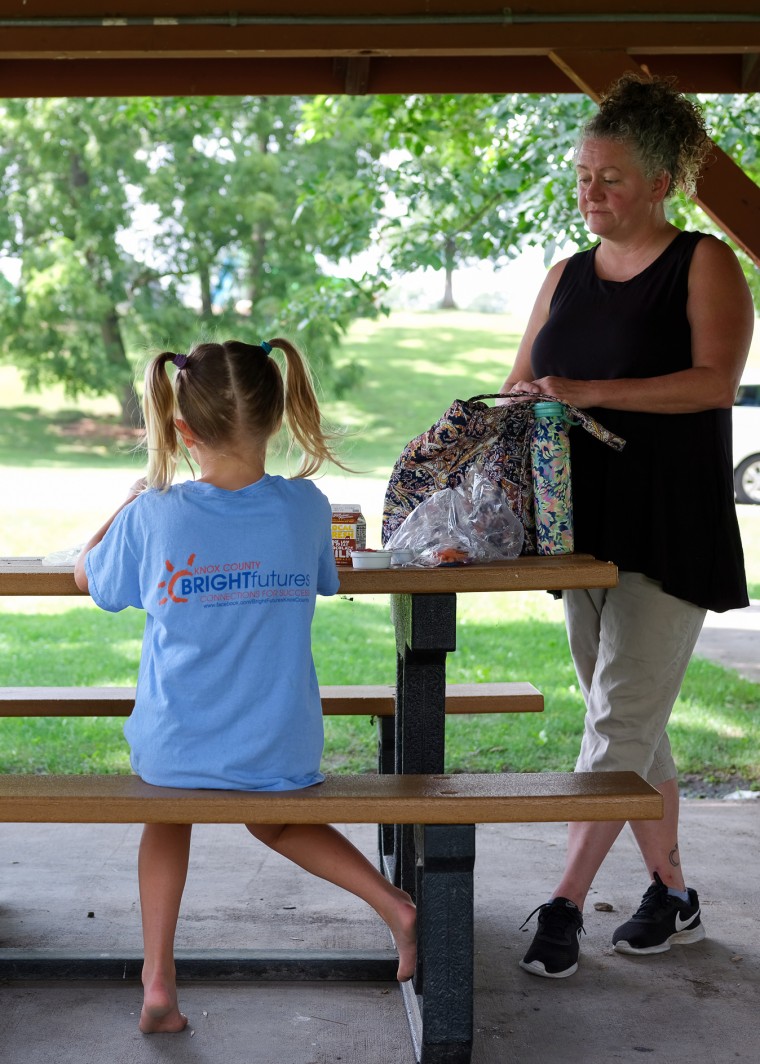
(648, 330)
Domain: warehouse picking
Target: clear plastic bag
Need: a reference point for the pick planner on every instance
(67, 556)
(470, 523)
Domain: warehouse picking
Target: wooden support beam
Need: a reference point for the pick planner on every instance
(732, 200)
(101, 29)
(593, 71)
(725, 192)
(751, 72)
(354, 74)
(230, 76)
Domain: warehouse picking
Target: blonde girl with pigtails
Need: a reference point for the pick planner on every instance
(227, 566)
(231, 391)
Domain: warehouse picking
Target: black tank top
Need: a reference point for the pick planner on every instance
(664, 506)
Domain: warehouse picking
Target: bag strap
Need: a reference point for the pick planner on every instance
(573, 414)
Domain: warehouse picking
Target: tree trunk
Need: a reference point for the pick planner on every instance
(110, 327)
(258, 250)
(110, 330)
(204, 274)
(447, 303)
(256, 266)
(131, 411)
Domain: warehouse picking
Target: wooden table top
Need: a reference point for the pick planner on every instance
(28, 576)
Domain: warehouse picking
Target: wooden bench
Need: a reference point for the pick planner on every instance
(444, 810)
(367, 798)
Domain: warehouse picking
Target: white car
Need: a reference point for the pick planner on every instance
(746, 420)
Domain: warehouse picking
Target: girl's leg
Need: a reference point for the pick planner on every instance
(162, 868)
(325, 852)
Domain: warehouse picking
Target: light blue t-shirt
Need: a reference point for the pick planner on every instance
(227, 693)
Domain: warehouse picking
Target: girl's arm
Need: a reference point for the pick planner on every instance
(80, 575)
(721, 315)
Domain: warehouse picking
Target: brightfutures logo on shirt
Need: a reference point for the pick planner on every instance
(231, 583)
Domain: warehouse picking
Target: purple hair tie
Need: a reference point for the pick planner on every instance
(180, 361)
(266, 347)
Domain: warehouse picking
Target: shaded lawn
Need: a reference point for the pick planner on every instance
(414, 366)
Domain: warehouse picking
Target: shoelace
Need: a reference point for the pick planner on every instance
(555, 917)
(654, 898)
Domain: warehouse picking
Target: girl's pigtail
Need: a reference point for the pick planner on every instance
(302, 414)
(159, 406)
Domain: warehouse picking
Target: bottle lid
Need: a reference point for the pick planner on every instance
(548, 409)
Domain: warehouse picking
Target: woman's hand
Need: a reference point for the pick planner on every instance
(577, 393)
(525, 386)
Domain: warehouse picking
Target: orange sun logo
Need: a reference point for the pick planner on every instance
(173, 580)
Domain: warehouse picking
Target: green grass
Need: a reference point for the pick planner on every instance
(59, 487)
(715, 728)
(40, 429)
(414, 366)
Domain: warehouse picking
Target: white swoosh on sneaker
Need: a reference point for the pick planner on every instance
(682, 924)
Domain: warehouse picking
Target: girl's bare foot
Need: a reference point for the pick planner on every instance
(160, 1012)
(404, 930)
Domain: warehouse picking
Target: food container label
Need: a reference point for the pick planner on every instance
(349, 531)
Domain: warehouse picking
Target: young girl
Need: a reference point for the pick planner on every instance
(227, 568)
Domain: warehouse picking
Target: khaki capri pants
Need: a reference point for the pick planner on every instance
(631, 645)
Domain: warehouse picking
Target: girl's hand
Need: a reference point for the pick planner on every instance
(137, 488)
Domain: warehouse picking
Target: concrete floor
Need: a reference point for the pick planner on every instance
(696, 1003)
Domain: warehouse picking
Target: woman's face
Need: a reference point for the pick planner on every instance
(615, 199)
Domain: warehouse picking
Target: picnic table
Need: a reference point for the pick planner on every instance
(427, 852)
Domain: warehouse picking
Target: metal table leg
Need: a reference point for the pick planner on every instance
(434, 863)
(425, 628)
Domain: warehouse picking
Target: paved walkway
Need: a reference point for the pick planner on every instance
(733, 640)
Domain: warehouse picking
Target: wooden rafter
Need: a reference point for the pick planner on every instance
(124, 28)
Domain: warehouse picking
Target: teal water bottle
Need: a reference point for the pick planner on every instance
(552, 489)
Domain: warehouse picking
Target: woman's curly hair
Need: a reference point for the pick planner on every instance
(665, 129)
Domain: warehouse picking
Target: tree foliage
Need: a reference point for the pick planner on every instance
(65, 170)
(141, 224)
(481, 177)
(477, 177)
(236, 238)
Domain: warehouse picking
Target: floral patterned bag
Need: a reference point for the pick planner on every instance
(498, 438)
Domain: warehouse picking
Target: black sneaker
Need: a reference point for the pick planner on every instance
(661, 920)
(554, 950)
